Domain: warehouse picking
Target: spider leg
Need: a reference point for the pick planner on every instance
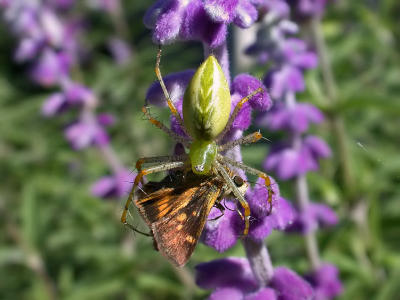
(221, 170)
(164, 128)
(236, 111)
(221, 209)
(248, 139)
(171, 105)
(159, 159)
(139, 176)
(253, 171)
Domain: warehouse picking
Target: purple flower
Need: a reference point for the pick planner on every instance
(205, 21)
(316, 215)
(295, 118)
(77, 93)
(83, 134)
(288, 162)
(27, 49)
(310, 7)
(325, 282)
(222, 233)
(120, 50)
(54, 104)
(285, 79)
(233, 277)
(116, 185)
(51, 68)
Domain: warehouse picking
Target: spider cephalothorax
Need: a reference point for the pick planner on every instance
(206, 120)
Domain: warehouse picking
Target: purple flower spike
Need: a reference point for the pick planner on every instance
(245, 84)
(221, 10)
(285, 79)
(176, 84)
(117, 185)
(290, 286)
(326, 282)
(294, 119)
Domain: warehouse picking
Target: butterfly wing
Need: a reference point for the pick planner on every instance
(177, 215)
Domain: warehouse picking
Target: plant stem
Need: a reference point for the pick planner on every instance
(259, 259)
(310, 238)
(337, 122)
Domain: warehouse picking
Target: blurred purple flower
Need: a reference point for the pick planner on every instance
(288, 162)
(120, 50)
(54, 104)
(326, 282)
(83, 134)
(27, 49)
(316, 215)
(50, 68)
(222, 233)
(293, 119)
(116, 185)
(233, 277)
(309, 7)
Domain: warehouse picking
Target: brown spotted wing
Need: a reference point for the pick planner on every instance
(176, 210)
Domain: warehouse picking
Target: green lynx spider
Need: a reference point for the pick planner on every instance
(206, 110)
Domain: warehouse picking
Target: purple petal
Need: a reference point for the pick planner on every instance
(326, 282)
(169, 23)
(106, 119)
(284, 162)
(231, 272)
(176, 84)
(317, 147)
(246, 14)
(50, 68)
(117, 185)
(226, 293)
(77, 93)
(54, 104)
(290, 286)
(323, 214)
(27, 49)
(153, 13)
(198, 25)
(222, 234)
(221, 10)
(245, 84)
(263, 294)
(52, 27)
(243, 118)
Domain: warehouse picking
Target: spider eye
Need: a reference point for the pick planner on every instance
(238, 181)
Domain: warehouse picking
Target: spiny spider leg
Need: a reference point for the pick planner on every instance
(236, 111)
(163, 167)
(221, 209)
(237, 194)
(248, 139)
(171, 105)
(159, 159)
(253, 171)
(164, 128)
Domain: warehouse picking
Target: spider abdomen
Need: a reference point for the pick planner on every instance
(207, 101)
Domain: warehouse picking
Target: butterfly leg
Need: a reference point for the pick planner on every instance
(253, 171)
(139, 176)
(160, 125)
(238, 195)
(236, 111)
(171, 105)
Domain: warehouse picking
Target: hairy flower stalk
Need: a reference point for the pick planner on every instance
(49, 40)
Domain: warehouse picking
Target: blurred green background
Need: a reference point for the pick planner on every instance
(57, 241)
